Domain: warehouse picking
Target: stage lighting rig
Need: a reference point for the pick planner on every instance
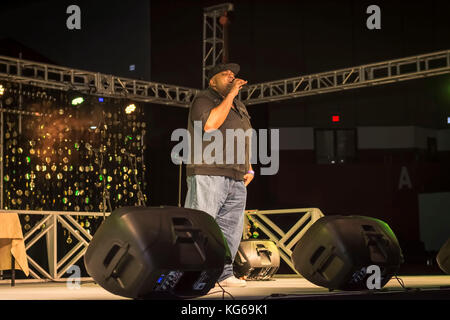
(130, 108)
(76, 98)
(77, 101)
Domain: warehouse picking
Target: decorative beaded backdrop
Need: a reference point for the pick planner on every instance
(61, 157)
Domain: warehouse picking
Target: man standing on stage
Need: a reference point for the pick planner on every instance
(219, 188)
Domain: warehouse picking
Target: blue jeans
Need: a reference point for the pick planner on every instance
(224, 199)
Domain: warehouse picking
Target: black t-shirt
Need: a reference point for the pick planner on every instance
(204, 160)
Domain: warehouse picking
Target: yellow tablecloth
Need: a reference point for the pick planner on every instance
(12, 243)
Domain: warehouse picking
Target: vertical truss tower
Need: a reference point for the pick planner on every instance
(214, 36)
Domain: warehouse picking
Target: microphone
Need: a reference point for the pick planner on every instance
(245, 86)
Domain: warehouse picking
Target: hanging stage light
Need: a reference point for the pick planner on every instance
(75, 98)
(2, 90)
(77, 101)
(130, 108)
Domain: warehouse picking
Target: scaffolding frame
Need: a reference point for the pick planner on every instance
(213, 37)
(389, 71)
(58, 266)
(284, 240)
(94, 83)
(48, 227)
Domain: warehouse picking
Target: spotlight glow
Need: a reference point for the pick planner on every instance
(2, 90)
(77, 101)
(130, 108)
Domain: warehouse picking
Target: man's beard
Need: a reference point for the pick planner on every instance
(225, 90)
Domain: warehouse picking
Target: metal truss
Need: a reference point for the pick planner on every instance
(62, 78)
(94, 83)
(285, 241)
(213, 37)
(415, 67)
(48, 227)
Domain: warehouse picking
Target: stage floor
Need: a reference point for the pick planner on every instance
(277, 288)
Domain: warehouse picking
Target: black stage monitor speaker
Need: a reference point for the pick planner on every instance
(256, 259)
(157, 252)
(336, 251)
(443, 257)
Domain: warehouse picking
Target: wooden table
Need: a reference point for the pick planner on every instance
(12, 246)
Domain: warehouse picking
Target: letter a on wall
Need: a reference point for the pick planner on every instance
(405, 180)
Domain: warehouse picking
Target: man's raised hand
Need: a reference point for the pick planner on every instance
(236, 86)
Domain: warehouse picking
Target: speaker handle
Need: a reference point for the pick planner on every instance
(376, 240)
(115, 261)
(322, 259)
(263, 249)
(190, 238)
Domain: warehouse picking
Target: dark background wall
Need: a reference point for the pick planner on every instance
(114, 34)
(278, 39)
